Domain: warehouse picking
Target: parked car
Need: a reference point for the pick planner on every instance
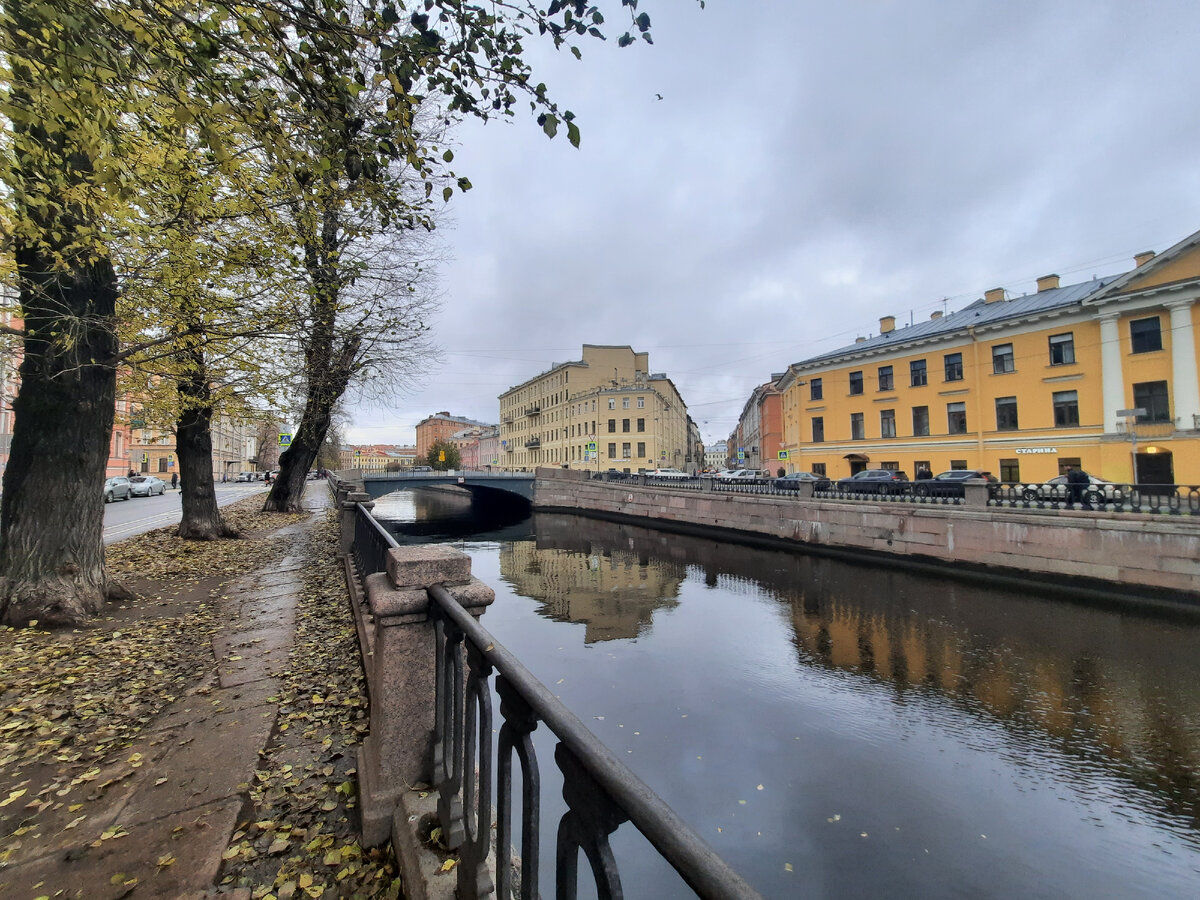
(737, 474)
(117, 488)
(875, 481)
(791, 482)
(667, 472)
(422, 468)
(146, 486)
(1097, 491)
(244, 476)
(950, 484)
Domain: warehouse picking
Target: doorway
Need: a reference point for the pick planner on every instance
(1154, 466)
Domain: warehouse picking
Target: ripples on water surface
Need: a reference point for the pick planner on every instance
(839, 730)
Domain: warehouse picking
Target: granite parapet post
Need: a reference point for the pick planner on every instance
(346, 505)
(398, 752)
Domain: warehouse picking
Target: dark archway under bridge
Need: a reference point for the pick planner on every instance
(493, 486)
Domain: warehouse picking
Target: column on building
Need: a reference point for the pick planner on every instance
(1112, 378)
(1185, 381)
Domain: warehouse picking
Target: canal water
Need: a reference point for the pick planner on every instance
(842, 730)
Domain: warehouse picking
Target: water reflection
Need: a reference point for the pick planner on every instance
(1117, 691)
(596, 578)
(448, 513)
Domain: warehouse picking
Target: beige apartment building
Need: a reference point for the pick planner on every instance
(603, 411)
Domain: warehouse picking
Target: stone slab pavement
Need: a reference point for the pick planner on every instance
(171, 804)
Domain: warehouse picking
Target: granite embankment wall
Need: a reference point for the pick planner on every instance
(1150, 556)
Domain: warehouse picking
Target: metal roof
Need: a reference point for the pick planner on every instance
(975, 314)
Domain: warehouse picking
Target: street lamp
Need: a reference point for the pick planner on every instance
(1131, 416)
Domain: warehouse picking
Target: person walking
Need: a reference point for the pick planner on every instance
(174, 480)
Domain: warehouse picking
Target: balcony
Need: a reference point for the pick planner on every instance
(1164, 428)
(533, 443)
(507, 419)
(534, 410)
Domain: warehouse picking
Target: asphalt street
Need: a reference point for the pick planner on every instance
(126, 518)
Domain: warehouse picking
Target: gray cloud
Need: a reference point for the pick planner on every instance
(810, 168)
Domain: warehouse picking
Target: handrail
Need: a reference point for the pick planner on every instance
(697, 863)
(609, 792)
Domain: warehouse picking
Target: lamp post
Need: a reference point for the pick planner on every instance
(1131, 416)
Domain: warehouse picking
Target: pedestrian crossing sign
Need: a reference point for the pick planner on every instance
(285, 439)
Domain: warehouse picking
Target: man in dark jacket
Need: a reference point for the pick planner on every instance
(1078, 482)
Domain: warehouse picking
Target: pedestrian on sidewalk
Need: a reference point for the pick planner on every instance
(174, 480)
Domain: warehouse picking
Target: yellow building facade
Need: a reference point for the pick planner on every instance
(1101, 375)
(606, 410)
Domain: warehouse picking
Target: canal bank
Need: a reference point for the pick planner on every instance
(1121, 559)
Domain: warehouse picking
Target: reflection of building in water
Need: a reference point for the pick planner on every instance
(1115, 688)
(613, 592)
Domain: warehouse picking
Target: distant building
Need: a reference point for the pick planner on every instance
(606, 410)
(760, 428)
(439, 427)
(377, 459)
(717, 456)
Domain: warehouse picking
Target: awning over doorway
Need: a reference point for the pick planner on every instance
(857, 457)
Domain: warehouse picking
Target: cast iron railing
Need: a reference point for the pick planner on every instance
(1147, 499)
(600, 791)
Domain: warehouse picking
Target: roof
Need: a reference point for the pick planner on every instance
(975, 314)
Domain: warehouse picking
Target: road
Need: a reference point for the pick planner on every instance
(125, 518)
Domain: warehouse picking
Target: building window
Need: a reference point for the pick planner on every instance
(956, 418)
(612, 426)
(1066, 408)
(641, 424)
(917, 375)
(641, 449)
(856, 383)
(1062, 349)
(624, 403)
(885, 378)
(1152, 397)
(887, 423)
(856, 427)
(1010, 470)
(612, 402)
(921, 464)
(953, 363)
(814, 389)
(641, 402)
(818, 468)
(920, 421)
(625, 450)
(1006, 414)
(612, 451)
(890, 466)
(625, 425)
(162, 464)
(818, 429)
(1145, 335)
(1002, 359)
(958, 465)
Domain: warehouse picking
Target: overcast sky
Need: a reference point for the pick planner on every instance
(809, 168)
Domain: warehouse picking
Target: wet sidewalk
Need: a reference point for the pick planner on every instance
(163, 812)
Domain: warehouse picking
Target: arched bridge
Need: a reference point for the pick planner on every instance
(482, 484)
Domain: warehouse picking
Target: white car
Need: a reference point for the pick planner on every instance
(737, 474)
(146, 486)
(668, 472)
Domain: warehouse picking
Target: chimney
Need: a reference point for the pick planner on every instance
(1144, 257)
(995, 295)
(859, 340)
(935, 315)
(1047, 283)
(886, 324)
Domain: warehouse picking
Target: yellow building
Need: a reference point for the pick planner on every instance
(1101, 374)
(604, 411)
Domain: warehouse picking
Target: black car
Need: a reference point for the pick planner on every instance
(949, 484)
(875, 481)
(792, 482)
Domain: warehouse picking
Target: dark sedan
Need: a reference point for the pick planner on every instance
(949, 484)
(875, 481)
(792, 482)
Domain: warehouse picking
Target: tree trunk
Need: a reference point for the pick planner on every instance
(52, 517)
(201, 519)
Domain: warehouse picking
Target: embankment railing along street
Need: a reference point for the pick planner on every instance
(416, 597)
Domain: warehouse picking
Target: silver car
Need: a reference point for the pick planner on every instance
(117, 488)
(146, 486)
